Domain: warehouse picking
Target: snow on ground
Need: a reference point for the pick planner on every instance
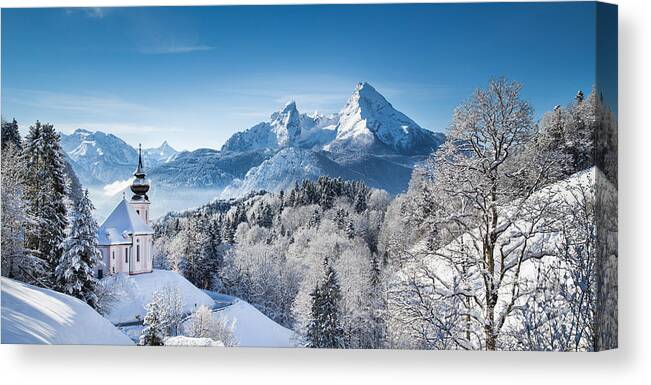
(254, 329)
(190, 341)
(136, 291)
(32, 315)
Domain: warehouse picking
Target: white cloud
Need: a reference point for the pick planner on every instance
(102, 105)
(116, 187)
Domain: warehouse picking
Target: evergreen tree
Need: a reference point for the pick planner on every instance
(10, 134)
(45, 195)
(17, 262)
(75, 273)
(153, 332)
(360, 202)
(324, 329)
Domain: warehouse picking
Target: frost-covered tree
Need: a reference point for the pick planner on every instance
(17, 262)
(11, 135)
(154, 329)
(324, 329)
(204, 324)
(45, 195)
(171, 304)
(75, 273)
(481, 221)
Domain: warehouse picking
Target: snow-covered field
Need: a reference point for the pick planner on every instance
(32, 315)
(136, 291)
(189, 341)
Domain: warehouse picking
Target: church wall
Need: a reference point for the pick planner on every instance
(144, 264)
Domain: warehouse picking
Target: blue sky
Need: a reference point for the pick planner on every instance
(195, 75)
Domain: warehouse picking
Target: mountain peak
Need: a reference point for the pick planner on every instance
(290, 106)
(369, 122)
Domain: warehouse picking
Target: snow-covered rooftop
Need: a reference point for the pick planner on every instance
(120, 224)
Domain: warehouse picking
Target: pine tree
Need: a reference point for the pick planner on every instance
(10, 134)
(211, 255)
(324, 329)
(154, 327)
(45, 194)
(75, 273)
(360, 202)
(17, 262)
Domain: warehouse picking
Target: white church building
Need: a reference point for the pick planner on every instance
(126, 237)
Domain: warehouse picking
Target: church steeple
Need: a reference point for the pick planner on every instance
(140, 185)
(139, 170)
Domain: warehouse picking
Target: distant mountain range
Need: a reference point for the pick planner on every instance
(368, 140)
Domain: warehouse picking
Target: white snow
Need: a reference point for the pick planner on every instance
(137, 290)
(254, 329)
(32, 315)
(190, 341)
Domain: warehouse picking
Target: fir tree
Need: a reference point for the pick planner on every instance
(76, 269)
(154, 326)
(360, 202)
(10, 134)
(324, 329)
(45, 195)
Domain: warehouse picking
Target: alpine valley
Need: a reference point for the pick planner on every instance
(368, 140)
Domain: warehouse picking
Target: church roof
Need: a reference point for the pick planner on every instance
(122, 222)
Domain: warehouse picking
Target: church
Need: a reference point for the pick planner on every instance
(126, 237)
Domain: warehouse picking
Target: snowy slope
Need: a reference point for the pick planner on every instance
(254, 329)
(137, 290)
(32, 315)
(289, 165)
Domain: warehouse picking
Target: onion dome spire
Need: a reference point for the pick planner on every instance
(140, 185)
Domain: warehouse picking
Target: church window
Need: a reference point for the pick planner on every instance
(137, 253)
(126, 255)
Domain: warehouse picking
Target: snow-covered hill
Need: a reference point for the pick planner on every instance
(32, 315)
(254, 329)
(136, 291)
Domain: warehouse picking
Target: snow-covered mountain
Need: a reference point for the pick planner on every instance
(101, 158)
(287, 166)
(158, 155)
(369, 123)
(368, 140)
(206, 168)
(285, 128)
